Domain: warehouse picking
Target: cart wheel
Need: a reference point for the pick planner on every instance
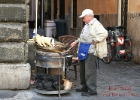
(128, 55)
(109, 56)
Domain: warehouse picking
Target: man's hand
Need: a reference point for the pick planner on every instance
(94, 42)
(73, 44)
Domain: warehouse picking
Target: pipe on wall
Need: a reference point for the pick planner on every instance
(42, 13)
(32, 10)
(119, 12)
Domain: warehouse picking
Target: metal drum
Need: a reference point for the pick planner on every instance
(49, 60)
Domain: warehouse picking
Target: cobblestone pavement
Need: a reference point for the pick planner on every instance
(116, 81)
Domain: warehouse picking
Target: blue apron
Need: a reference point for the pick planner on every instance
(83, 51)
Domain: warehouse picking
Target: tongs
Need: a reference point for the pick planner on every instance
(69, 49)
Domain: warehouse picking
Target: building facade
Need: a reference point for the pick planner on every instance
(108, 12)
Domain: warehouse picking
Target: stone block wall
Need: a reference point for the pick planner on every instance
(133, 32)
(14, 34)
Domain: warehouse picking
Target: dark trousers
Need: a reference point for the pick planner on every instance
(88, 72)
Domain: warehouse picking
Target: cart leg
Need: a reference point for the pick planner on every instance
(59, 84)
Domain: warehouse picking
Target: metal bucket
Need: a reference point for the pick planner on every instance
(69, 60)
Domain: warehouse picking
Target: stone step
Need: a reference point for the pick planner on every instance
(14, 13)
(15, 76)
(12, 52)
(15, 1)
(16, 32)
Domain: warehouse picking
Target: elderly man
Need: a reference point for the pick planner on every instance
(92, 33)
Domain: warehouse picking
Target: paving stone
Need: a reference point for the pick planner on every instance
(16, 32)
(14, 13)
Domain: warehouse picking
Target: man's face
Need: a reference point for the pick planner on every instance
(87, 19)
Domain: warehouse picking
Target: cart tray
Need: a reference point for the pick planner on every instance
(51, 92)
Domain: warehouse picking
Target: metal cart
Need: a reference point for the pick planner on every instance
(51, 60)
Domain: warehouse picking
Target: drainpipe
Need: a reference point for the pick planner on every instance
(42, 13)
(32, 10)
(36, 16)
(119, 12)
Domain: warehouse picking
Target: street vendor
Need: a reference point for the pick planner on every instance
(86, 49)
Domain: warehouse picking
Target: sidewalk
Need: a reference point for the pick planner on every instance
(116, 81)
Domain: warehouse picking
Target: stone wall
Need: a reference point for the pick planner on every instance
(15, 71)
(133, 31)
